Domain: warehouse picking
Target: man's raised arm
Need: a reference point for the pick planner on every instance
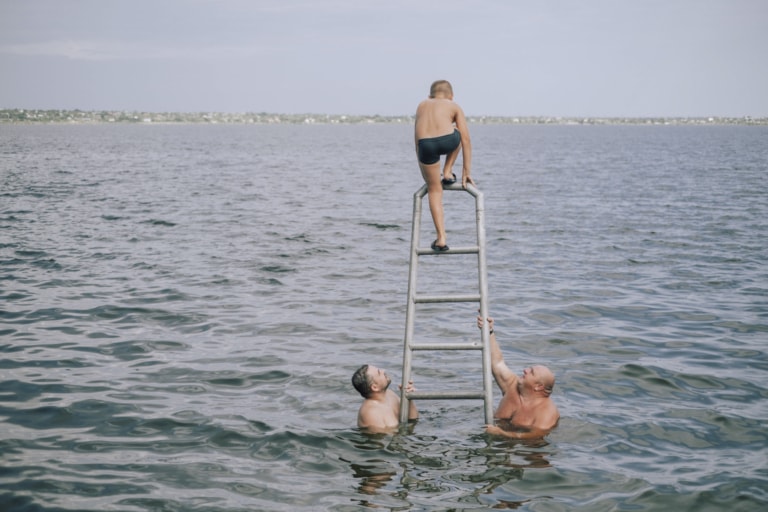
(501, 372)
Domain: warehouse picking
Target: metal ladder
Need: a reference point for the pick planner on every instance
(415, 298)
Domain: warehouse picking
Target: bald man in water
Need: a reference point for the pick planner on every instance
(526, 410)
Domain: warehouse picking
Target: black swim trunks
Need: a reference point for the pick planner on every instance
(431, 149)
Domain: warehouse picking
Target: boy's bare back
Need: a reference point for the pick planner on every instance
(436, 117)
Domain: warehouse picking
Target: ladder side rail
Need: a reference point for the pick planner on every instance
(411, 302)
(482, 276)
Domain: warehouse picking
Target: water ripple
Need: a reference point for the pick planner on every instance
(181, 309)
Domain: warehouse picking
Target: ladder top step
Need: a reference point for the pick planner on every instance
(472, 249)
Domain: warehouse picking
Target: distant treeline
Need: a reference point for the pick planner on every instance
(113, 116)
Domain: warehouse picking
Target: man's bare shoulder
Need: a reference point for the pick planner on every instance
(546, 415)
(375, 415)
(369, 409)
(550, 415)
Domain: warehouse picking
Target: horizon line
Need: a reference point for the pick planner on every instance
(37, 115)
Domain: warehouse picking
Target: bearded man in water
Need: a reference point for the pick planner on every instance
(380, 411)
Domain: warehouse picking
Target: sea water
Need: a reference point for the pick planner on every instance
(182, 308)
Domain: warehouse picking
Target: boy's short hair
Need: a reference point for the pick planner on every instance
(443, 86)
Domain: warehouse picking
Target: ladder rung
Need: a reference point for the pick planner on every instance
(424, 299)
(472, 249)
(446, 395)
(447, 346)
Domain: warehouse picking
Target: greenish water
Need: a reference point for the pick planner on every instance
(182, 307)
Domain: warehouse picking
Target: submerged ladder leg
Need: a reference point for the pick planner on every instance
(415, 298)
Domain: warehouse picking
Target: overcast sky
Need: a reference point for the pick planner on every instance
(504, 57)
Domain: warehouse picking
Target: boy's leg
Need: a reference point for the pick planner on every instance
(431, 174)
(450, 159)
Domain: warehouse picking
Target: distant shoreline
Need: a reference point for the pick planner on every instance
(31, 116)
